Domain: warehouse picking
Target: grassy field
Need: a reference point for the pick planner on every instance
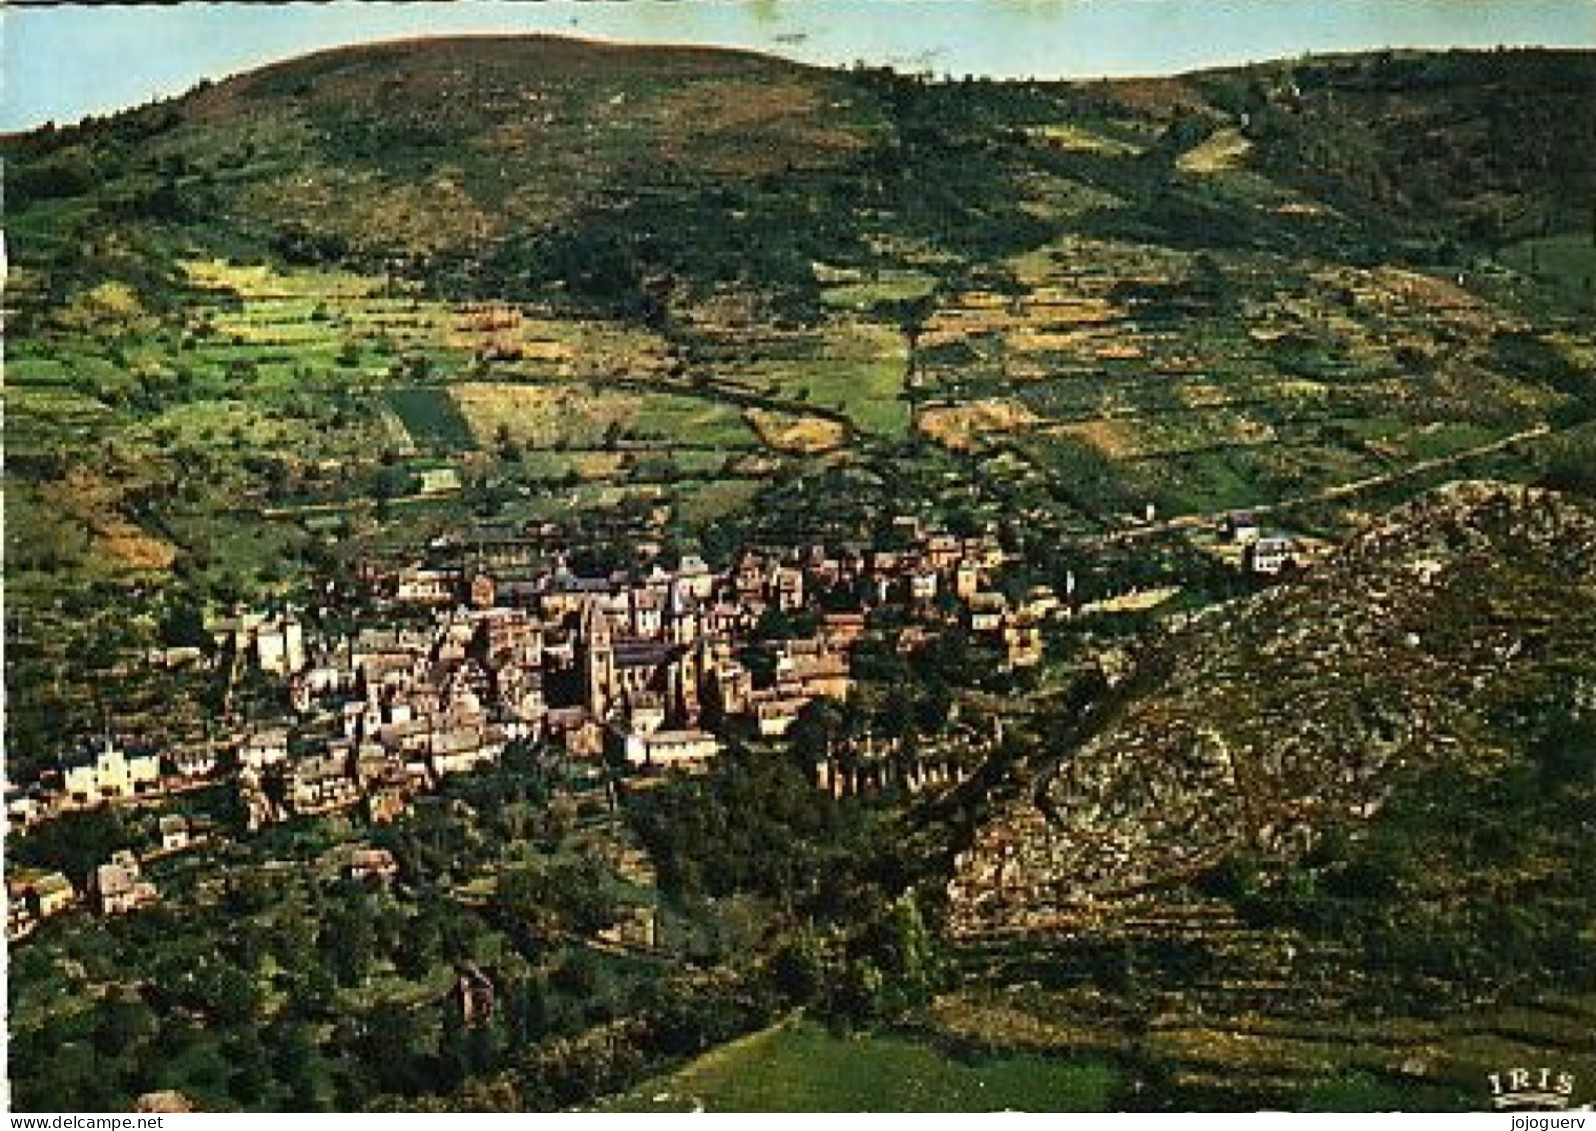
(432, 419)
(573, 415)
(1566, 262)
(802, 1067)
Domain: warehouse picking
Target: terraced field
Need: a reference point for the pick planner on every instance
(1213, 1014)
(1197, 386)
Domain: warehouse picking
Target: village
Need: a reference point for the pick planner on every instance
(453, 657)
(629, 675)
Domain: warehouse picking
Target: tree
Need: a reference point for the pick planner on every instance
(348, 943)
(521, 909)
(860, 994)
(252, 1075)
(121, 1024)
(225, 992)
(74, 843)
(298, 1064)
(775, 624)
(184, 626)
(294, 940)
(896, 717)
(912, 958)
(933, 709)
(799, 968)
(390, 1036)
(419, 944)
(815, 732)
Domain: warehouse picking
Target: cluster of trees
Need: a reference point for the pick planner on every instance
(893, 964)
(1571, 464)
(279, 986)
(838, 877)
(1381, 138)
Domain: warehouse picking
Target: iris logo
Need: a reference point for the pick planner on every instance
(1526, 1089)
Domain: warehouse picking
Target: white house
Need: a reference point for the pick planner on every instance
(666, 748)
(1270, 555)
(265, 747)
(113, 775)
(280, 646)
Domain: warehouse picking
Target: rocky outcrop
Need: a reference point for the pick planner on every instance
(1428, 637)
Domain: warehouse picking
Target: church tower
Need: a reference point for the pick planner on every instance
(598, 669)
(682, 615)
(686, 675)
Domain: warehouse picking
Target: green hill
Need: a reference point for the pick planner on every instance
(713, 295)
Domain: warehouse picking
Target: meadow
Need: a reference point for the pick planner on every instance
(800, 1066)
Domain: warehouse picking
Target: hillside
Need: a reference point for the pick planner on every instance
(704, 295)
(1337, 831)
(1373, 784)
(1448, 639)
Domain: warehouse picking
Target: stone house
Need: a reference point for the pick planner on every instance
(789, 588)
(417, 585)
(321, 784)
(459, 750)
(811, 667)
(988, 612)
(841, 630)
(966, 580)
(1022, 643)
(635, 928)
(51, 894)
(280, 646)
(116, 887)
(20, 919)
(193, 761)
(180, 832)
(473, 991)
(439, 480)
(942, 551)
(695, 577)
(375, 866)
(263, 748)
(1241, 528)
(775, 714)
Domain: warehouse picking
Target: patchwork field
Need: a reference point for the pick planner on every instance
(573, 416)
(1196, 386)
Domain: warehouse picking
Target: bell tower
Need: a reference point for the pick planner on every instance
(598, 670)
